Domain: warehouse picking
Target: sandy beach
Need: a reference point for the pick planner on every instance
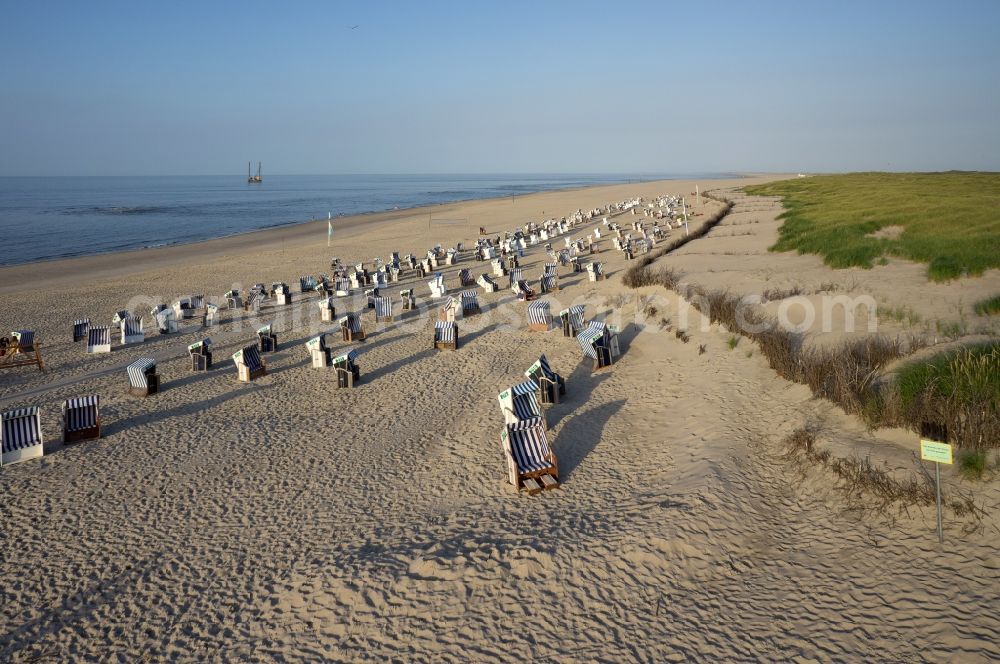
(287, 520)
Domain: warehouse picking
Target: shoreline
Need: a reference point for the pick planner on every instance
(119, 263)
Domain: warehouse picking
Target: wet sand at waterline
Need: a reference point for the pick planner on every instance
(287, 520)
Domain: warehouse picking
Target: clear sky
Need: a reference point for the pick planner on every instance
(93, 88)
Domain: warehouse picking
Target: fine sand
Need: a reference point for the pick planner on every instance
(287, 520)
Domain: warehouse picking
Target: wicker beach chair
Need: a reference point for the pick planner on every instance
(531, 464)
(438, 289)
(465, 277)
(406, 298)
(572, 320)
(21, 349)
(450, 311)
(80, 328)
(348, 371)
(21, 435)
(142, 377)
(254, 298)
(81, 418)
(201, 355)
(211, 315)
(307, 284)
(188, 307)
(539, 316)
(327, 310)
(499, 268)
(352, 328)
(470, 303)
(342, 286)
(600, 343)
(132, 332)
(322, 357)
(523, 292)
(551, 386)
(515, 275)
(383, 309)
(166, 319)
(520, 402)
(99, 339)
(487, 284)
(446, 335)
(595, 271)
(281, 293)
(267, 339)
(233, 299)
(249, 364)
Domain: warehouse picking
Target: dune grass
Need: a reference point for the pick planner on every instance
(988, 307)
(949, 219)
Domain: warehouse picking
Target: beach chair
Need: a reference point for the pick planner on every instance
(451, 257)
(487, 252)
(351, 327)
(201, 355)
(539, 316)
(99, 339)
(470, 303)
(327, 309)
(523, 292)
(520, 403)
(357, 279)
(307, 284)
(249, 364)
(383, 309)
(342, 286)
(487, 284)
(531, 464)
(512, 262)
(322, 357)
(411, 261)
(211, 314)
(595, 271)
(599, 343)
(20, 435)
(142, 377)
(20, 349)
(551, 385)
(515, 275)
(465, 278)
(252, 303)
(572, 320)
(576, 264)
(438, 289)
(451, 310)
(281, 293)
(549, 283)
(233, 299)
(406, 298)
(267, 339)
(80, 328)
(120, 316)
(165, 317)
(499, 269)
(348, 371)
(132, 332)
(81, 418)
(187, 307)
(446, 335)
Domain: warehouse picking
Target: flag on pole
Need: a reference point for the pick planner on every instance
(329, 231)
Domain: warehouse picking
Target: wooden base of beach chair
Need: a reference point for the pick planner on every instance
(353, 336)
(539, 327)
(246, 376)
(346, 378)
(383, 319)
(328, 315)
(152, 387)
(536, 483)
(90, 433)
(446, 345)
(471, 311)
(15, 357)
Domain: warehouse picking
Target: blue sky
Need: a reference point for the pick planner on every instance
(92, 88)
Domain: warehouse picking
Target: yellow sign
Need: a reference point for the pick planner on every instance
(931, 450)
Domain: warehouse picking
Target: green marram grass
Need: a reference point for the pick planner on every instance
(951, 221)
(989, 306)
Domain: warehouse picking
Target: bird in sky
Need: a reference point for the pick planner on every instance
(355, 27)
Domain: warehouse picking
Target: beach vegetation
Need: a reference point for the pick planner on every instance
(948, 220)
(988, 307)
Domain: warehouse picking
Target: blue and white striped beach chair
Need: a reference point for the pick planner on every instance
(348, 371)
(465, 277)
(342, 286)
(351, 327)
(551, 385)
(249, 364)
(187, 307)
(515, 275)
(599, 343)
(446, 335)
(165, 317)
(523, 291)
(20, 435)
(99, 339)
(254, 298)
(383, 309)
(487, 284)
(539, 316)
(80, 328)
(450, 311)
(572, 320)
(307, 284)
(81, 418)
(595, 271)
(520, 403)
(267, 339)
(132, 332)
(319, 353)
(119, 316)
(470, 303)
(531, 464)
(142, 377)
(201, 355)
